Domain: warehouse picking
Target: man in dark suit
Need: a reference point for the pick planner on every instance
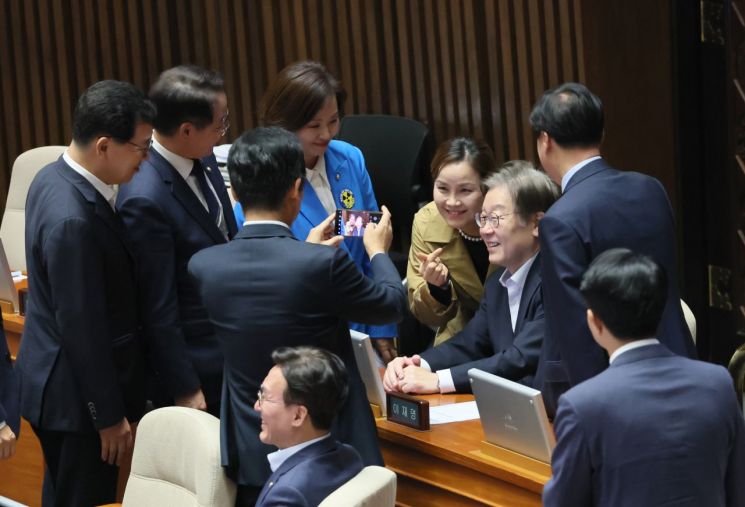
(10, 417)
(505, 335)
(174, 207)
(654, 428)
(298, 401)
(600, 208)
(266, 289)
(80, 365)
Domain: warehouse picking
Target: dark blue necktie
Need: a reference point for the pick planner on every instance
(214, 208)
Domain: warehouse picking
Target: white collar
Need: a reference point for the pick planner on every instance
(182, 165)
(519, 277)
(574, 170)
(108, 192)
(276, 458)
(266, 222)
(631, 346)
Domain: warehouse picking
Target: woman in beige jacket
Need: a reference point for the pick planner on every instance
(448, 261)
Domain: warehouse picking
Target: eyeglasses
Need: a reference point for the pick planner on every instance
(225, 120)
(492, 218)
(261, 398)
(141, 149)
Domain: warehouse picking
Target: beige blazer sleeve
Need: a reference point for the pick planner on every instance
(425, 308)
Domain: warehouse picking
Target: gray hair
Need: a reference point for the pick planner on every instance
(532, 191)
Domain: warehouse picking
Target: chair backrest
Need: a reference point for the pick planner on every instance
(373, 487)
(13, 225)
(737, 370)
(176, 461)
(690, 319)
(397, 153)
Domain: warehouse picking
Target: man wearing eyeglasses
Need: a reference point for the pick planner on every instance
(176, 206)
(81, 363)
(297, 402)
(505, 335)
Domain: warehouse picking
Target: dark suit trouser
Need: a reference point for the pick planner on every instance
(75, 475)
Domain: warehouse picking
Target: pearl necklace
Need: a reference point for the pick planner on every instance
(468, 237)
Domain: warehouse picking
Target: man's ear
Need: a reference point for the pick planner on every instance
(186, 128)
(102, 145)
(299, 416)
(537, 218)
(594, 323)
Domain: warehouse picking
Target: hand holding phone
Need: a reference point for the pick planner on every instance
(352, 223)
(378, 237)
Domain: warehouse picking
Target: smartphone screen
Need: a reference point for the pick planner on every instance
(352, 222)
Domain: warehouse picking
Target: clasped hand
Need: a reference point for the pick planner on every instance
(405, 375)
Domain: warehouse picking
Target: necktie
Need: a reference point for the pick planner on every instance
(214, 208)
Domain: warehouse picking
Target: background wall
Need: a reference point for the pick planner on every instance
(463, 67)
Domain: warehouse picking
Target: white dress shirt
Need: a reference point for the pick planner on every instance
(568, 176)
(514, 283)
(319, 180)
(276, 458)
(108, 192)
(184, 166)
(631, 346)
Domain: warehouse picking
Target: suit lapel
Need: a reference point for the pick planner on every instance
(318, 448)
(311, 209)
(532, 284)
(185, 196)
(101, 208)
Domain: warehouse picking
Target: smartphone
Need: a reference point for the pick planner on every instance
(352, 222)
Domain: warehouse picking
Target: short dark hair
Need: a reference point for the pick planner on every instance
(110, 108)
(297, 94)
(532, 191)
(263, 164)
(628, 291)
(571, 114)
(185, 93)
(463, 149)
(316, 379)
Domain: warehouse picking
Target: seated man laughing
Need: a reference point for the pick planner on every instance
(298, 401)
(505, 335)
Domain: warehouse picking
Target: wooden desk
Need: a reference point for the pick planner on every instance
(444, 466)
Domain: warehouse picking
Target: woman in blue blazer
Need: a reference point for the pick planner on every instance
(307, 100)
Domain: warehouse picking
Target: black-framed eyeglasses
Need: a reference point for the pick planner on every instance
(144, 150)
(492, 218)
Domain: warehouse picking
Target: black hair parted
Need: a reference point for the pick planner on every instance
(264, 164)
(110, 108)
(186, 93)
(627, 291)
(316, 379)
(571, 114)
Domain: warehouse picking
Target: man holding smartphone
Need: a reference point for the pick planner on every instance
(267, 289)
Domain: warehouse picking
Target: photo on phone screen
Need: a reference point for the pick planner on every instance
(352, 222)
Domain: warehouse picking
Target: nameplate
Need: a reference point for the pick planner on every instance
(407, 410)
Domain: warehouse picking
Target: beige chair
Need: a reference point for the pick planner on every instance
(12, 229)
(372, 487)
(690, 319)
(176, 461)
(737, 370)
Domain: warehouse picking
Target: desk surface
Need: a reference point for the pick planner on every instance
(446, 465)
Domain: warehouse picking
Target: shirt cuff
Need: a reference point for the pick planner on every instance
(3, 424)
(376, 253)
(446, 381)
(424, 364)
(442, 295)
